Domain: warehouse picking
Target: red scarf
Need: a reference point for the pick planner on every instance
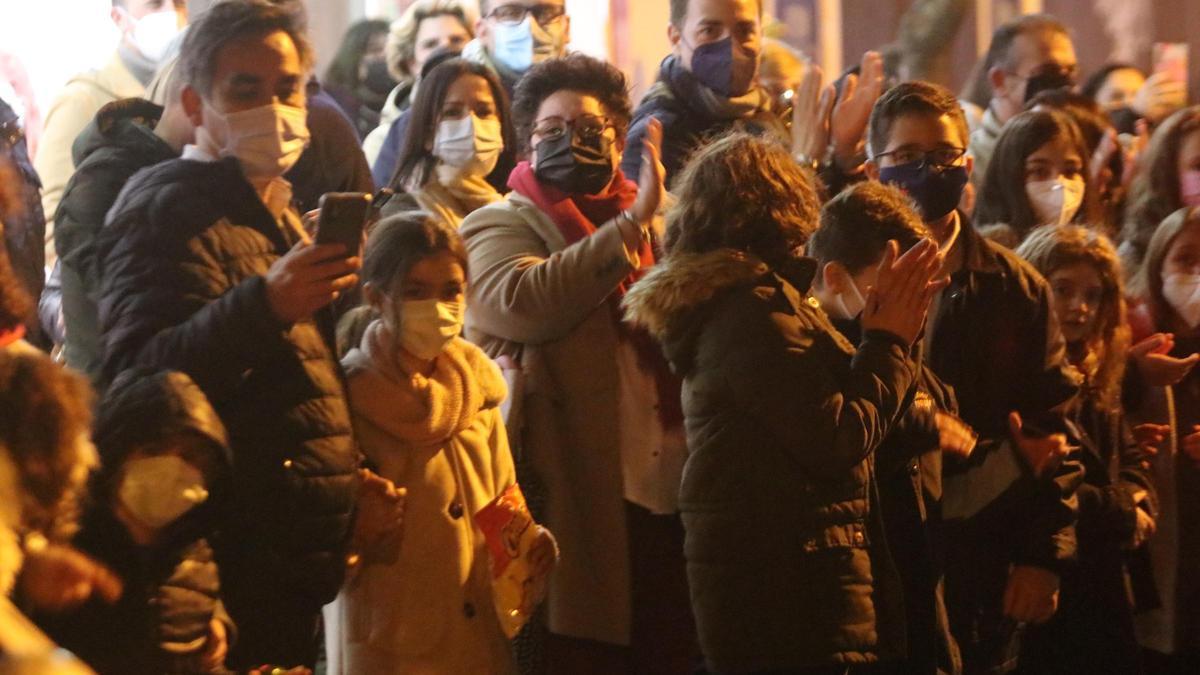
(577, 215)
(8, 337)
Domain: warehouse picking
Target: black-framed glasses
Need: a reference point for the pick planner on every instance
(514, 14)
(587, 126)
(940, 157)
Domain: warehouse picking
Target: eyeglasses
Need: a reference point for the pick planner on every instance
(941, 157)
(515, 14)
(589, 127)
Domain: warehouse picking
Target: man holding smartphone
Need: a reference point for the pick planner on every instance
(207, 271)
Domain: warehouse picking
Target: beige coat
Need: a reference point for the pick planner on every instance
(552, 308)
(429, 612)
(74, 109)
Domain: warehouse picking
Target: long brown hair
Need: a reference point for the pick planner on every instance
(1003, 199)
(1154, 194)
(1052, 248)
(1149, 280)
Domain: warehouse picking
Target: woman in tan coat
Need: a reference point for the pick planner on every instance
(598, 422)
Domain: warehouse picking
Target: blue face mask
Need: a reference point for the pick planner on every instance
(724, 67)
(936, 191)
(517, 47)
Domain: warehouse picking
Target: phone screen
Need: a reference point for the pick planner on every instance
(1171, 58)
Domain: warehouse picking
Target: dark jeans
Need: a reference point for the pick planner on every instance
(663, 635)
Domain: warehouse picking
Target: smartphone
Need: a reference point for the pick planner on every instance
(1172, 58)
(343, 215)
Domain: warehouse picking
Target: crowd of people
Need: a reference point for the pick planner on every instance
(767, 373)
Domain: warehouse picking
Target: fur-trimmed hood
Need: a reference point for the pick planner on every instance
(664, 302)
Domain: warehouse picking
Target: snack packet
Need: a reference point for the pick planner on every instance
(510, 532)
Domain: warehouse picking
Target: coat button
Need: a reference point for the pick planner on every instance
(914, 469)
(456, 510)
(468, 610)
(287, 463)
(859, 538)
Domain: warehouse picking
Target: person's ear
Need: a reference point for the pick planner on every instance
(118, 14)
(834, 277)
(970, 165)
(566, 35)
(998, 79)
(872, 169)
(482, 32)
(675, 37)
(192, 105)
(374, 296)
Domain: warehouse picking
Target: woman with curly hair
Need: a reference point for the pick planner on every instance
(783, 415)
(1093, 629)
(599, 422)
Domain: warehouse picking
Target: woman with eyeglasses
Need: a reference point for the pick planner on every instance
(459, 144)
(599, 423)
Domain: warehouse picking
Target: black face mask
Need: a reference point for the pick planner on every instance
(575, 165)
(1047, 81)
(378, 79)
(1125, 120)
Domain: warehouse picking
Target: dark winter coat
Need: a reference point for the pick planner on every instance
(24, 231)
(995, 340)
(782, 418)
(334, 160)
(908, 465)
(171, 588)
(686, 126)
(183, 259)
(1093, 630)
(117, 144)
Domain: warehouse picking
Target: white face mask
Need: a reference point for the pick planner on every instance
(1182, 291)
(517, 47)
(158, 490)
(1055, 202)
(427, 326)
(267, 140)
(851, 304)
(154, 33)
(469, 146)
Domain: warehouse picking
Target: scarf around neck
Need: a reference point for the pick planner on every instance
(687, 88)
(453, 198)
(420, 410)
(577, 216)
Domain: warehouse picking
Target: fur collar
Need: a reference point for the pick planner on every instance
(684, 281)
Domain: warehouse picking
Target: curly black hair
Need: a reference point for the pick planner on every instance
(575, 72)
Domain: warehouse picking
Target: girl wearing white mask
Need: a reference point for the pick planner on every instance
(1169, 179)
(456, 151)
(1170, 303)
(1038, 176)
(426, 410)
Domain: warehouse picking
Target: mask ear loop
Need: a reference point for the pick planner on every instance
(862, 303)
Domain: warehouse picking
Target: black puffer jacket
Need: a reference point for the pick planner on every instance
(182, 260)
(118, 142)
(782, 416)
(171, 588)
(25, 228)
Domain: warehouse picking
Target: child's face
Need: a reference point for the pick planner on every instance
(438, 277)
(160, 483)
(1078, 293)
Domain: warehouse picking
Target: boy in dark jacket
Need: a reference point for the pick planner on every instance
(164, 454)
(855, 229)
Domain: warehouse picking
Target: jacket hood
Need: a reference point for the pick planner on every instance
(667, 302)
(127, 124)
(144, 406)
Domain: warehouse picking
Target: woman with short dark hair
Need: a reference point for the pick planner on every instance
(783, 414)
(599, 421)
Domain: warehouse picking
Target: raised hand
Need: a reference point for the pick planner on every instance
(308, 278)
(812, 104)
(1157, 366)
(1031, 595)
(853, 109)
(651, 182)
(899, 300)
